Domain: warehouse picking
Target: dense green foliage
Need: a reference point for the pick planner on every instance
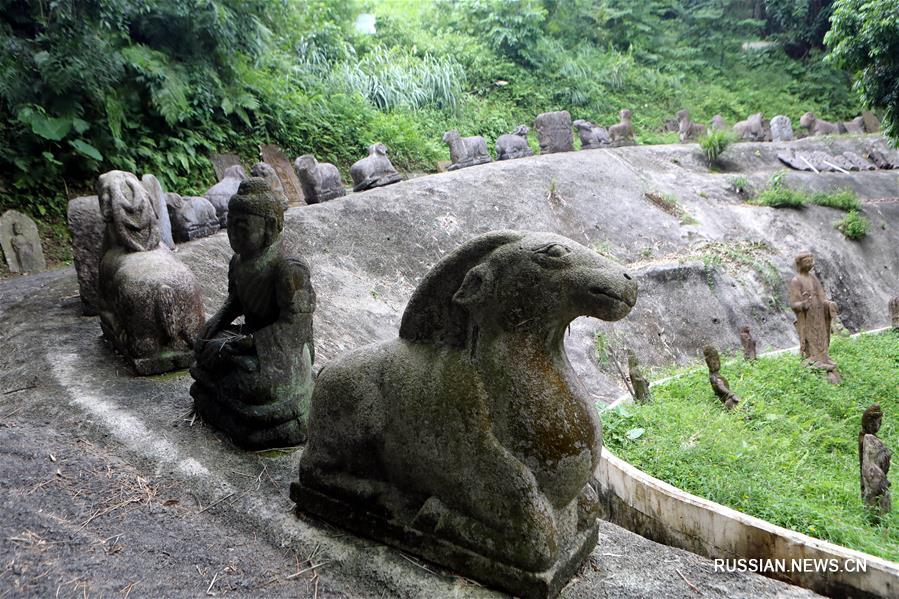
(788, 453)
(714, 143)
(865, 38)
(157, 85)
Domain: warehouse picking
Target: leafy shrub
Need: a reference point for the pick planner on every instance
(844, 199)
(714, 142)
(853, 225)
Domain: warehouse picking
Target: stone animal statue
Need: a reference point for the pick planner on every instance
(752, 129)
(268, 172)
(686, 129)
(854, 127)
(817, 126)
(623, 131)
(158, 196)
(718, 123)
(375, 170)
(749, 344)
(465, 151)
(591, 136)
(894, 312)
(150, 304)
(554, 132)
(320, 180)
(253, 380)
(469, 440)
(221, 193)
(191, 217)
(513, 145)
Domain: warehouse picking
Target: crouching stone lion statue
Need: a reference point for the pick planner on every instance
(469, 440)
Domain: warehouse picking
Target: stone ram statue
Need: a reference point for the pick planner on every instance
(513, 145)
(191, 217)
(375, 170)
(221, 193)
(752, 129)
(150, 304)
(469, 440)
(465, 151)
(591, 136)
(622, 133)
(320, 180)
(817, 126)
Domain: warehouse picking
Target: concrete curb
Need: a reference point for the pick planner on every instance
(661, 512)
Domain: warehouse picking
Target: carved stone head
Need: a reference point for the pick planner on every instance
(807, 120)
(871, 419)
(625, 114)
(712, 359)
(521, 130)
(682, 115)
(128, 211)
(255, 217)
(804, 261)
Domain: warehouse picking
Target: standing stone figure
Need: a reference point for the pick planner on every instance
(21, 243)
(813, 316)
(719, 384)
(781, 128)
(375, 170)
(221, 193)
(874, 462)
(622, 133)
(513, 145)
(150, 304)
(686, 129)
(894, 312)
(554, 132)
(87, 228)
(748, 343)
(469, 440)
(465, 151)
(320, 180)
(253, 380)
(817, 126)
(638, 381)
(591, 136)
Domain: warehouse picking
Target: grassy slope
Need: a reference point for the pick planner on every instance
(788, 453)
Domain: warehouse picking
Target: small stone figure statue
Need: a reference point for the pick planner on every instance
(874, 462)
(817, 126)
(150, 304)
(638, 381)
(813, 316)
(254, 380)
(320, 180)
(21, 243)
(513, 145)
(554, 132)
(623, 132)
(375, 170)
(748, 343)
(465, 151)
(687, 130)
(894, 312)
(23, 249)
(719, 384)
(591, 136)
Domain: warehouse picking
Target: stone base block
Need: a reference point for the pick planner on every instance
(396, 532)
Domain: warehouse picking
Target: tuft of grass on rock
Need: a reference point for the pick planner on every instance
(843, 199)
(853, 225)
(788, 453)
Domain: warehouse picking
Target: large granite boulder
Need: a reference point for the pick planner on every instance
(87, 228)
(469, 440)
(150, 304)
(221, 193)
(554, 132)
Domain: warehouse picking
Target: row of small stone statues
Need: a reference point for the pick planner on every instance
(757, 128)
(408, 441)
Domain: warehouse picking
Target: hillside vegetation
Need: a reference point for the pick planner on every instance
(157, 85)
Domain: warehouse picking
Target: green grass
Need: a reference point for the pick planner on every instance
(853, 225)
(843, 199)
(787, 453)
(714, 143)
(781, 197)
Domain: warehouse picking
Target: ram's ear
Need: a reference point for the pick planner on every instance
(475, 287)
